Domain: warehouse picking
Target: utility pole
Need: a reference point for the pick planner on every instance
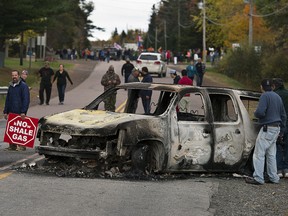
(21, 47)
(204, 32)
(165, 40)
(251, 24)
(179, 35)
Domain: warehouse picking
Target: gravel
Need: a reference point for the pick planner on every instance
(235, 197)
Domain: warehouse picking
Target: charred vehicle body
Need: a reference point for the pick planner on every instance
(190, 129)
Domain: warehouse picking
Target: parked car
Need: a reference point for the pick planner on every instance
(154, 63)
(190, 129)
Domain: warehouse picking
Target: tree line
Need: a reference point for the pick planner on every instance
(177, 24)
(66, 22)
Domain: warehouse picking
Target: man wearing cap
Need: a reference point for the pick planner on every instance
(46, 74)
(146, 94)
(127, 69)
(272, 118)
(282, 142)
(109, 80)
(174, 76)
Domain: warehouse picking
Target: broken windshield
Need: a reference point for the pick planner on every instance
(131, 102)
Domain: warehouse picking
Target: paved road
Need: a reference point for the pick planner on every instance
(58, 196)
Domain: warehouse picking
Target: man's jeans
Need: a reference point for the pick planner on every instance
(266, 146)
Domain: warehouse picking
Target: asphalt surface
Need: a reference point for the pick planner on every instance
(194, 198)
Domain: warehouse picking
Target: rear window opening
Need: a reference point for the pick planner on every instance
(148, 57)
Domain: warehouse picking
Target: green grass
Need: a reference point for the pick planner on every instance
(224, 80)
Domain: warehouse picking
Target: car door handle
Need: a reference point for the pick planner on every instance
(237, 131)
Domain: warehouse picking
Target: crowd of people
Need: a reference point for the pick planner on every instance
(271, 145)
(194, 72)
(105, 54)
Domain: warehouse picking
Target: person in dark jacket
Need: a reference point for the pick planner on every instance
(174, 76)
(127, 69)
(282, 142)
(61, 75)
(146, 94)
(272, 117)
(46, 74)
(17, 101)
(200, 70)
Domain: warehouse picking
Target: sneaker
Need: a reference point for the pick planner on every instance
(40, 103)
(280, 174)
(271, 182)
(47, 104)
(250, 180)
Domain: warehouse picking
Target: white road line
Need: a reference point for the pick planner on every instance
(36, 156)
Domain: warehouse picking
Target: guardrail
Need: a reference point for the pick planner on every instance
(3, 90)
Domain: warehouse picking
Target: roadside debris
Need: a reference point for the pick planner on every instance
(77, 168)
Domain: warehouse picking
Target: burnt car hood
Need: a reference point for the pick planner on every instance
(87, 122)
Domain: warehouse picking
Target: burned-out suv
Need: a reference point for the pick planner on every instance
(189, 129)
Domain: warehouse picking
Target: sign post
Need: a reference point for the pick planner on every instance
(21, 132)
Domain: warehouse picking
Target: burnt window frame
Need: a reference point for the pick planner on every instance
(223, 117)
(192, 114)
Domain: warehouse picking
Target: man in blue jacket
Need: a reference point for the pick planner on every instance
(272, 117)
(17, 100)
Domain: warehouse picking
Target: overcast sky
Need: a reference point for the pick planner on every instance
(120, 14)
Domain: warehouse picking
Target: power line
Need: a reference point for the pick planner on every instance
(215, 23)
(270, 14)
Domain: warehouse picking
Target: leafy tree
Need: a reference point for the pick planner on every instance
(73, 23)
(66, 21)
(123, 37)
(243, 64)
(275, 14)
(149, 40)
(20, 15)
(175, 29)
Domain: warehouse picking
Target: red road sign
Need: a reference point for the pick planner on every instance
(21, 132)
